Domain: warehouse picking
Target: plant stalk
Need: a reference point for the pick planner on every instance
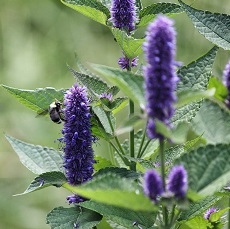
(131, 137)
(162, 163)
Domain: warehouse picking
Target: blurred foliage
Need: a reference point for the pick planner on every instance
(37, 39)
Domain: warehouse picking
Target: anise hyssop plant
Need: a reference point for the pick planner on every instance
(173, 169)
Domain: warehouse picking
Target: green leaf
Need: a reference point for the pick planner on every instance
(92, 83)
(122, 172)
(131, 47)
(45, 180)
(186, 113)
(36, 158)
(198, 222)
(177, 135)
(65, 218)
(120, 216)
(175, 152)
(221, 91)
(101, 163)
(213, 121)
(187, 96)
(39, 99)
(213, 26)
(104, 116)
(196, 75)
(204, 174)
(130, 84)
(113, 190)
(150, 12)
(106, 3)
(199, 207)
(90, 8)
(215, 216)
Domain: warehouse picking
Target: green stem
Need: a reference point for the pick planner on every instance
(115, 137)
(172, 215)
(142, 143)
(162, 162)
(229, 214)
(145, 147)
(122, 158)
(131, 136)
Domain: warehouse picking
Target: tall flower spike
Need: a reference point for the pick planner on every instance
(123, 14)
(78, 153)
(178, 181)
(226, 81)
(153, 185)
(160, 73)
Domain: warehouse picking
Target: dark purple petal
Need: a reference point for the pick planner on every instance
(178, 181)
(208, 213)
(78, 153)
(123, 14)
(75, 199)
(124, 62)
(153, 185)
(160, 73)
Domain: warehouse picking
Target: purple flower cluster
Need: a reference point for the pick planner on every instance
(153, 186)
(77, 136)
(123, 14)
(177, 183)
(125, 63)
(75, 199)
(160, 72)
(208, 213)
(226, 81)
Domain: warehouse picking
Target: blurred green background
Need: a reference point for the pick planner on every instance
(37, 40)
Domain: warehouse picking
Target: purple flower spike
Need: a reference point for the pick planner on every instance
(208, 213)
(160, 73)
(226, 81)
(178, 181)
(153, 185)
(124, 62)
(78, 153)
(123, 14)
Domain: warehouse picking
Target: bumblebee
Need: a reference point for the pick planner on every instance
(55, 112)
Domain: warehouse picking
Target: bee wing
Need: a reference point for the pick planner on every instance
(42, 113)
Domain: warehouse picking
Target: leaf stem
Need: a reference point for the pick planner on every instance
(162, 163)
(142, 143)
(131, 137)
(145, 147)
(115, 137)
(122, 158)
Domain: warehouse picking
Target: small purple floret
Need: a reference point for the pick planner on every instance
(153, 185)
(178, 181)
(160, 73)
(106, 96)
(78, 153)
(123, 14)
(208, 213)
(75, 199)
(124, 62)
